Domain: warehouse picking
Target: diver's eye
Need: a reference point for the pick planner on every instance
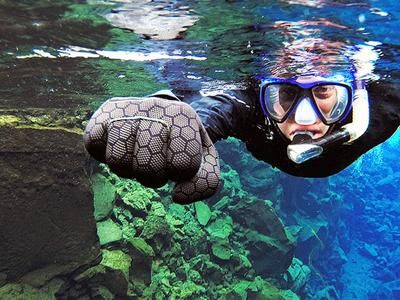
(287, 95)
(323, 91)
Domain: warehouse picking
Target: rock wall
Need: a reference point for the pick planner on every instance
(46, 206)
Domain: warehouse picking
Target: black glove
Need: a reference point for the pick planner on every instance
(154, 140)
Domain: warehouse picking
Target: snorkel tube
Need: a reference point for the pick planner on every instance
(303, 147)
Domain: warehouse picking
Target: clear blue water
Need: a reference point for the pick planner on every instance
(356, 245)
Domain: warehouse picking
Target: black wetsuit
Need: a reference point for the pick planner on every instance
(238, 113)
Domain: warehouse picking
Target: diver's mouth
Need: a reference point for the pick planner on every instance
(311, 133)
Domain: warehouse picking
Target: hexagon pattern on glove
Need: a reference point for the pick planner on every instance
(154, 140)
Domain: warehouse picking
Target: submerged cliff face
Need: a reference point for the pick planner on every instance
(46, 204)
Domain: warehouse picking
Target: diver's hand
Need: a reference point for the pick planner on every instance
(153, 140)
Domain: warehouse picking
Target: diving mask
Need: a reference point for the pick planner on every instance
(307, 98)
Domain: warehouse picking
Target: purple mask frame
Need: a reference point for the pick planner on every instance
(307, 87)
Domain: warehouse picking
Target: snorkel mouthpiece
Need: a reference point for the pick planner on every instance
(304, 148)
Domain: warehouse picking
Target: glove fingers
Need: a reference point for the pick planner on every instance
(120, 146)
(184, 151)
(150, 151)
(206, 181)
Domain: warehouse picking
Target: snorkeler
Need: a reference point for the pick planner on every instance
(308, 125)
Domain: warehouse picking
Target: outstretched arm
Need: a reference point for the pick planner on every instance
(227, 113)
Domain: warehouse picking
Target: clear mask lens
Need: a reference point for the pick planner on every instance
(330, 99)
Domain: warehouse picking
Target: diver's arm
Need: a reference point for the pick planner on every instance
(225, 114)
(385, 101)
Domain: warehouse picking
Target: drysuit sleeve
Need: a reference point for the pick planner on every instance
(226, 114)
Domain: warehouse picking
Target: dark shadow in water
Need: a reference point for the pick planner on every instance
(27, 23)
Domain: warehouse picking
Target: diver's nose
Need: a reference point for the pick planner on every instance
(305, 114)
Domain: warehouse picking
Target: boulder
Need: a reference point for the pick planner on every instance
(108, 232)
(221, 250)
(221, 228)
(142, 255)
(203, 212)
(104, 196)
(46, 212)
(271, 247)
(269, 255)
(297, 275)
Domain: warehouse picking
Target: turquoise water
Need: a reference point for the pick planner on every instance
(60, 60)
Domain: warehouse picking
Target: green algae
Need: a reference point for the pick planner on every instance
(221, 228)
(108, 232)
(141, 247)
(117, 260)
(203, 212)
(14, 291)
(222, 250)
(104, 196)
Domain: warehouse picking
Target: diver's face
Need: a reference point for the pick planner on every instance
(304, 118)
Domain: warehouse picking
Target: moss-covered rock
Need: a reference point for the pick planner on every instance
(221, 228)
(142, 255)
(221, 249)
(117, 260)
(104, 196)
(157, 232)
(297, 275)
(112, 278)
(108, 232)
(23, 292)
(203, 212)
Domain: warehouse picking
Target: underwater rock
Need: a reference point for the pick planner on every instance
(104, 196)
(258, 215)
(142, 255)
(158, 22)
(328, 292)
(108, 232)
(368, 251)
(157, 232)
(203, 212)
(221, 228)
(258, 289)
(222, 250)
(47, 216)
(271, 248)
(388, 291)
(269, 256)
(101, 293)
(252, 175)
(113, 279)
(157, 209)
(222, 203)
(137, 204)
(297, 275)
(23, 291)
(194, 240)
(117, 260)
(337, 257)
(3, 279)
